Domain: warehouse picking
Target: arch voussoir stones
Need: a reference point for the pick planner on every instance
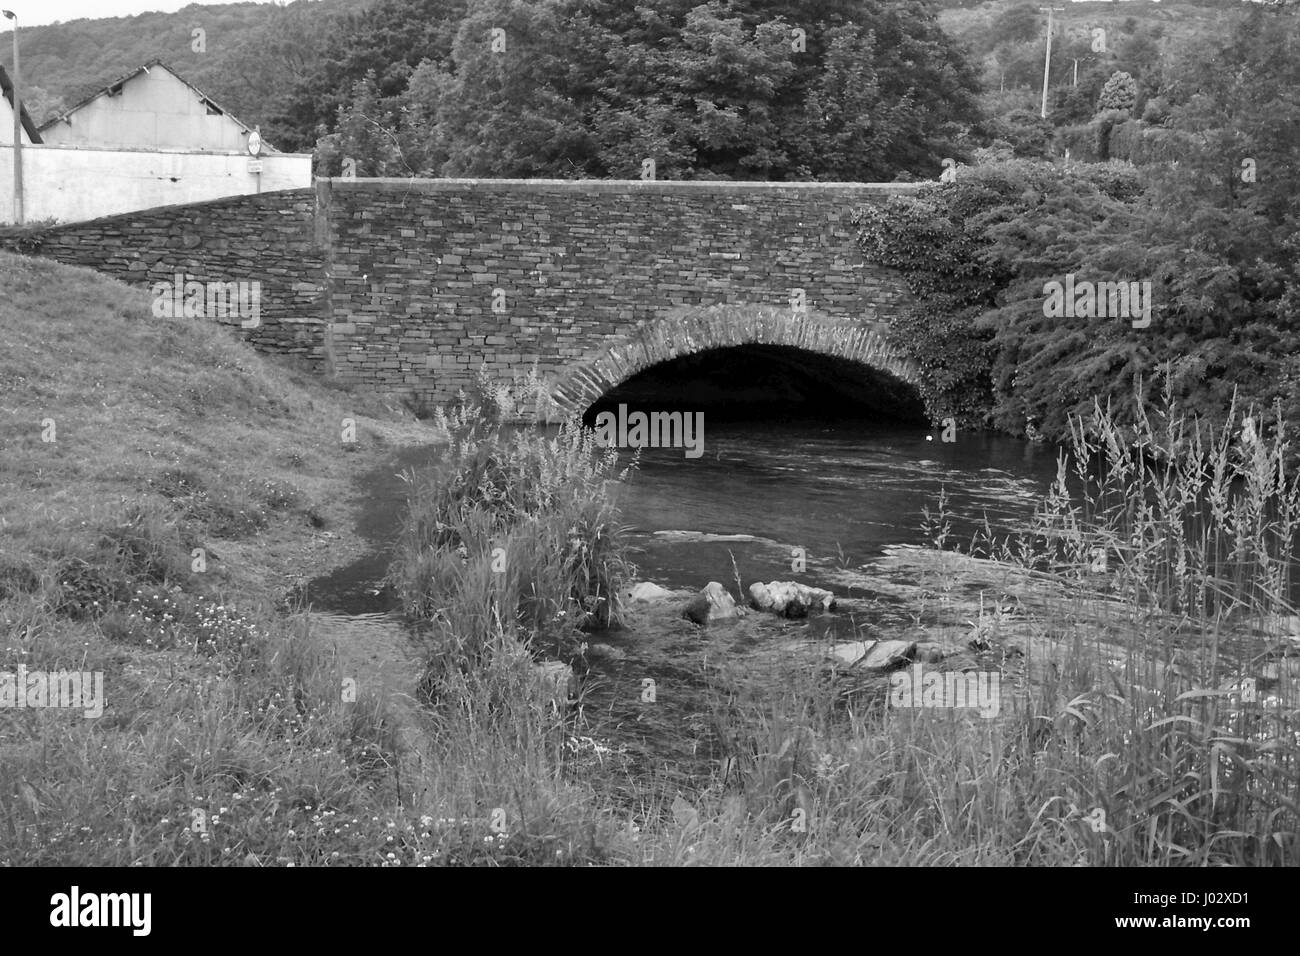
(690, 331)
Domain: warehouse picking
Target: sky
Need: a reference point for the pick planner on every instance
(37, 12)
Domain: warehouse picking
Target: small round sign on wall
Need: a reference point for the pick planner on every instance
(255, 143)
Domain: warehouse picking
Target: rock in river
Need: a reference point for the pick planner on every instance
(875, 655)
(647, 593)
(711, 604)
(789, 598)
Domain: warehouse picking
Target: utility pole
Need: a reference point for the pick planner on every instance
(18, 127)
(1076, 72)
(1047, 62)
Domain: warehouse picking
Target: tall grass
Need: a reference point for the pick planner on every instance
(1158, 725)
(1199, 522)
(1194, 530)
(512, 540)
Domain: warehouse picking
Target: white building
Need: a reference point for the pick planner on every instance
(147, 139)
(150, 107)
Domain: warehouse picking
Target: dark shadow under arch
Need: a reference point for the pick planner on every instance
(766, 382)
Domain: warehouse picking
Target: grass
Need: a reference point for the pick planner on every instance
(164, 487)
(193, 482)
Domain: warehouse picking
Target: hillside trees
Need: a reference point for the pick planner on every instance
(389, 38)
(752, 89)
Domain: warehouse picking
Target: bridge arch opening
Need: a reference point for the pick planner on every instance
(757, 381)
(747, 360)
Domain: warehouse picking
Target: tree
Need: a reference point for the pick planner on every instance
(365, 135)
(1018, 24)
(503, 106)
(389, 38)
(1119, 93)
(1028, 134)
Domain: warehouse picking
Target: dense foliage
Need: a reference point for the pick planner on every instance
(1214, 234)
(746, 89)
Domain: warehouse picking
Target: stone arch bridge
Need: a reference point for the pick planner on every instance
(412, 286)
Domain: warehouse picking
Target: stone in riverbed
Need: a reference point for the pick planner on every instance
(875, 655)
(711, 604)
(647, 592)
(789, 598)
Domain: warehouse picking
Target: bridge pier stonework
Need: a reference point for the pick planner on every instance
(413, 286)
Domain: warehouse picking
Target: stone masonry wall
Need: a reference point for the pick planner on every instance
(430, 279)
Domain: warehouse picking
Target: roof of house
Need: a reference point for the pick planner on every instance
(116, 86)
(7, 87)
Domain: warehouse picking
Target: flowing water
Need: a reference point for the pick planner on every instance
(840, 492)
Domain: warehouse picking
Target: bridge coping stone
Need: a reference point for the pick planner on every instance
(599, 186)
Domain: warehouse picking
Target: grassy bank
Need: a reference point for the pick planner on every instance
(164, 489)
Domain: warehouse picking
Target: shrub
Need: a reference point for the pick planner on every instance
(1028, 133)
(1156, 111)
(1101, 126)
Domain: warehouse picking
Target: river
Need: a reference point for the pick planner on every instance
(842, 492)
